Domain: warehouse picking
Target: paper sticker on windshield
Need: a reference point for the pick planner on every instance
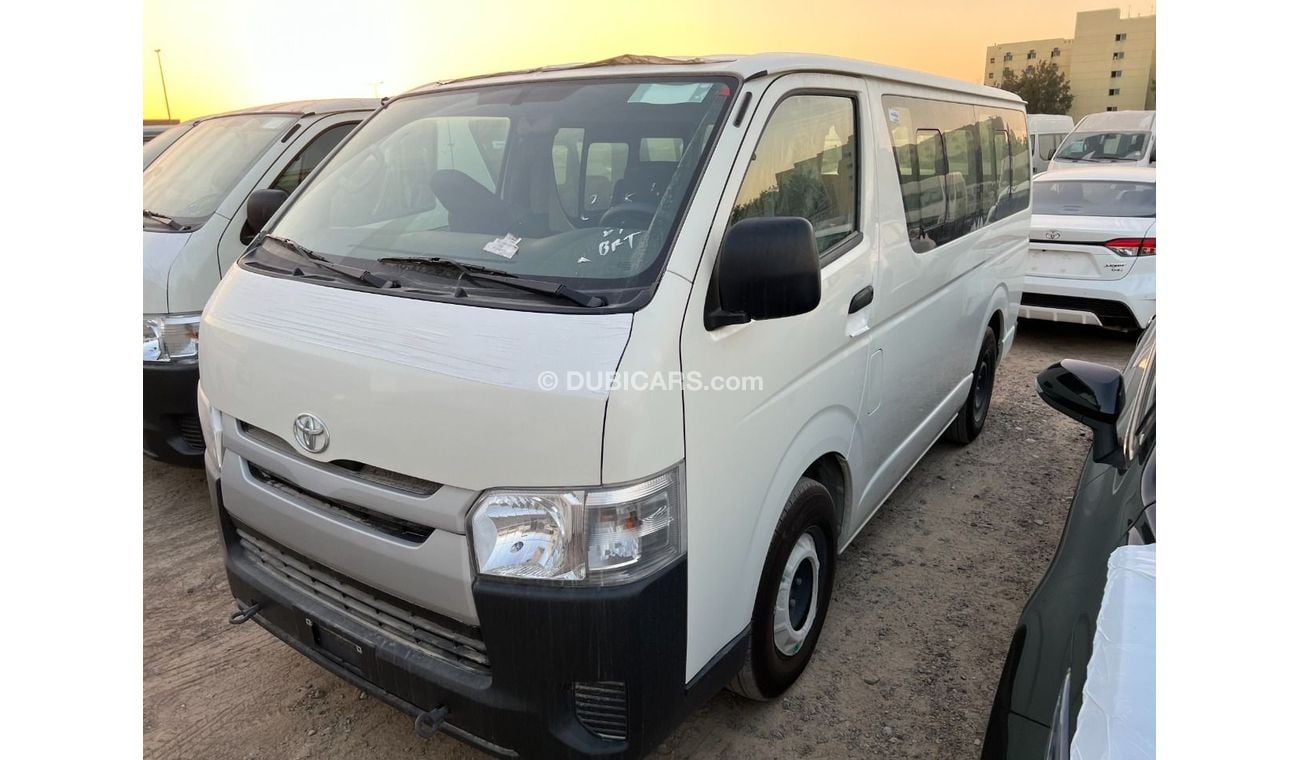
(506, 246)
(894, 118)
(670, 94)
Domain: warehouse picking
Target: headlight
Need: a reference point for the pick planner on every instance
(171, 337)
(595, 536)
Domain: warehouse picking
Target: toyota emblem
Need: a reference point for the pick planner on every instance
(310, 433)
(1054, 235)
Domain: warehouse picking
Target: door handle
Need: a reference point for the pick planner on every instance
(862, 299)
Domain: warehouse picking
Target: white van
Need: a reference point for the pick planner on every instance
(1123, 137)
(196, 225)
(1046, 133)
(543, 409)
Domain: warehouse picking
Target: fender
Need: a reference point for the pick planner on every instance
(830, 431)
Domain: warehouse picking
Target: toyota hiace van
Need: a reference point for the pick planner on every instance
(544, 408)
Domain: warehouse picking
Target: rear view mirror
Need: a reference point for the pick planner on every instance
(262, 205)
(1092, 394)
(768, 268)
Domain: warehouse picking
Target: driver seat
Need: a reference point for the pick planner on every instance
(471, 207)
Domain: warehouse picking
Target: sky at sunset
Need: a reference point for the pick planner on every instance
(224, 54)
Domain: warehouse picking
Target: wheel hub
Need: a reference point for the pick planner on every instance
(795, 611)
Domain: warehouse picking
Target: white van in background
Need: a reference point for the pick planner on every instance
(1123, 137)
(1046, 133)
(196, 225)
(543, 409)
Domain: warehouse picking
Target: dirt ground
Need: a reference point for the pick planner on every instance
(924, 604)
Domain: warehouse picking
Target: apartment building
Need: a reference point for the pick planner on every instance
(1110, 62)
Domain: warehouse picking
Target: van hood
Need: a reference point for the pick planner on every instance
(160, 251)
(454, 394)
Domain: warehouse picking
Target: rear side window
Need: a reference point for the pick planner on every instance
(1095, 198)
(960, 166)
(311, 156)
(805, 165)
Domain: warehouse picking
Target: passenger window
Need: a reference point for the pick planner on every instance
(309, 157)
(805, 165)
(606, 165)
(661, 149)
(959, 166)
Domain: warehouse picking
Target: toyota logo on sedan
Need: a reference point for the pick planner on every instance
(1054, 235)
(310, 433)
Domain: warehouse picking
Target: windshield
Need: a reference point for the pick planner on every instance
(1094, 198)
(191, 178)
(580, 181)
(1104, 146)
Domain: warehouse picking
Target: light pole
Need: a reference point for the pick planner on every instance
(158, 52)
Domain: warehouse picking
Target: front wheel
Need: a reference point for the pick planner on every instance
(793, 594)
(970, 420)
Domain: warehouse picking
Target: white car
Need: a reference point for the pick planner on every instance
(1092, 248)
(1112, 137)
(490, 372)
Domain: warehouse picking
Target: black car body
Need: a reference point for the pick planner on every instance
(1037, 703)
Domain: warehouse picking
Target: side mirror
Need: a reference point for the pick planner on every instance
(262, 205)
(768, 268)
(1092, 394)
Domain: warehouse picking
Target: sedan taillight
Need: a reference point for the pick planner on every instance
(1132, 246)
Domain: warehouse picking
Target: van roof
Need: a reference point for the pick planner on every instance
(1047, 120)
(744, 66)
(304, 107)
(1144, 121)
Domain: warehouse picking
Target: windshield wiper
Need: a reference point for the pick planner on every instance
(167, 220)
(356, 275)
(481, 273)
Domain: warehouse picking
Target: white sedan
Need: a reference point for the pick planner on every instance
(1092, 247)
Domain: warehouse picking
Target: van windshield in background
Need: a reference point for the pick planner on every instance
(581, 181)
(1094, 198)
(193, 176)
(1104, 146)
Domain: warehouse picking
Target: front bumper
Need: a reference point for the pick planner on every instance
(541, 642)
(171, 421)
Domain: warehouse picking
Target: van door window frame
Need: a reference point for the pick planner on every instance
(856, 236)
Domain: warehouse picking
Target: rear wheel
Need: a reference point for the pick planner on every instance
(970, 420)
(793, 594)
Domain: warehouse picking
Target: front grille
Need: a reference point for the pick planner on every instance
(394, 527)
(601, 706)
(369, 473)
(446, 640)
(1111, 313)
(191, 431)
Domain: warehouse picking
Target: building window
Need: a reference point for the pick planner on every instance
(1032, 54)
(990, 75)
(1113, 91)
(1056, 52)
(1116, 74)
(993, 60)
(1007, 57)
(1117, 56)
(1112, 108)
(1121, 37)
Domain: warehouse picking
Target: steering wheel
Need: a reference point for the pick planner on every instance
(629, 214)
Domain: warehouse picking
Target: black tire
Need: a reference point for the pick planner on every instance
(970, 420)
(768, 671)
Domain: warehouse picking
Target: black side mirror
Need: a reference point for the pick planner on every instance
(262, 205)
(768, 268)
(1092, 394)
